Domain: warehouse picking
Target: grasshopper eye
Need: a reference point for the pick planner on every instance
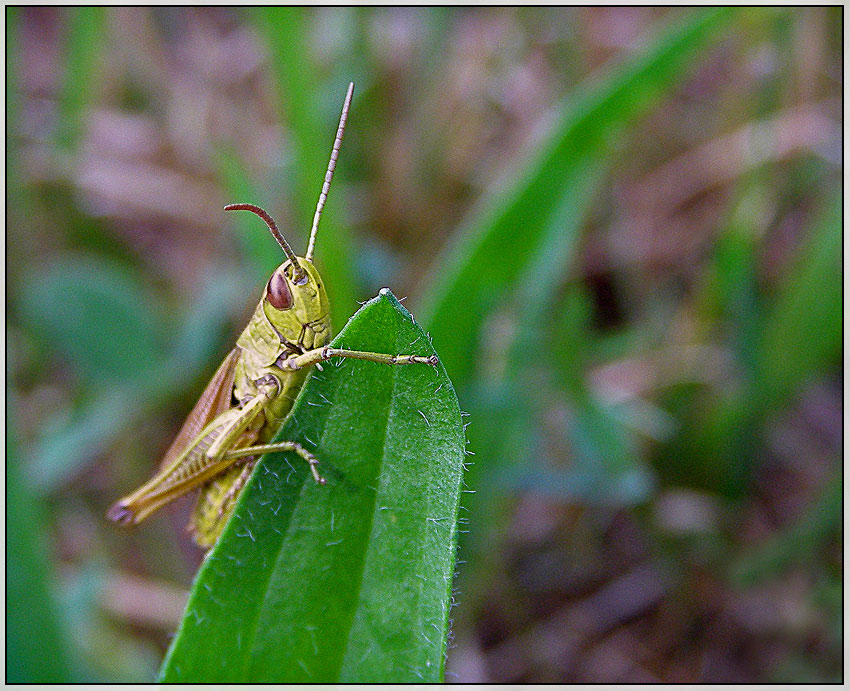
(278, 292)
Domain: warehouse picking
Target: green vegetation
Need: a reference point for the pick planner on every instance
(620, 229)
(354, 576)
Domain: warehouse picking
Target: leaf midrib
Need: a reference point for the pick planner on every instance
(384, 411)
(365, 553)
(258, 611)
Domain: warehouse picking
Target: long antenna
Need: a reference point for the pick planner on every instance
(330, 173)
(298, 270)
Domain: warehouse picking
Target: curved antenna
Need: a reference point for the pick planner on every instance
(330, 173)
(299, 272)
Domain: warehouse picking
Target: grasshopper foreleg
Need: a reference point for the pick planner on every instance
(292, 446)
(313, 357)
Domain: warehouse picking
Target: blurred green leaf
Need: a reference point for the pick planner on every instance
(203, 328)
(350, 581)
(537, 289)
(735, 264)
(802, 330)
(71, 442)
(74, 438)
(93, 312)
(105, 654)
(495, 247)
(606, 465)
(82, 51)
(509, 402)
(576, 485)
(713, 450)
(571, 338)
(286, 30)
(259, 248)
(606, 457)
(37, 645)
(828, 595)
(796, 340)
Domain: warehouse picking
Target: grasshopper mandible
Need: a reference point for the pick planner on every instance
(252, 392)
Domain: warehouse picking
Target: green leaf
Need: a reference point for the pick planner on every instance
(73, 438)
(801, 334)
(85, 40)
(96, 314)
(499, 243)
(508, 403)
(37, 644)
(349, 581)
(796, 341)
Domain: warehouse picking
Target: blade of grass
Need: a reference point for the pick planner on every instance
(37, 646)
(801, 333)
(714, 448)
(492, 251)
(797, 338)
(85, 37)
(505, 397)
(606, 464)
(508, 406)
(286, 31)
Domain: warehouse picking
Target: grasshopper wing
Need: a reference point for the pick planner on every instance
(215, 399)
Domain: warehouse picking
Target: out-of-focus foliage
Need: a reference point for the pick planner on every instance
(622, 227)
(28, 591)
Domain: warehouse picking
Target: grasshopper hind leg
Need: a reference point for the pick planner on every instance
(218, 497)
(232, 493)
(215, 503)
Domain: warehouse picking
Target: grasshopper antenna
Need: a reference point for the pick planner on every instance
(298, 270)
(330, 173)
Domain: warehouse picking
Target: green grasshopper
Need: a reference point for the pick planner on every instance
(252, 392)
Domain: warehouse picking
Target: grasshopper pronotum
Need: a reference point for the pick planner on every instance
(252, 392)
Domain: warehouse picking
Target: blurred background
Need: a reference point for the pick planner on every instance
(622, 228)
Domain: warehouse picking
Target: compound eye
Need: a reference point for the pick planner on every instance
(278, 292)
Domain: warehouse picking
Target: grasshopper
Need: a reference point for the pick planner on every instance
(252, 392)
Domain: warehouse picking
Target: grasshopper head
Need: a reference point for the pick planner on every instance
(296, 303)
